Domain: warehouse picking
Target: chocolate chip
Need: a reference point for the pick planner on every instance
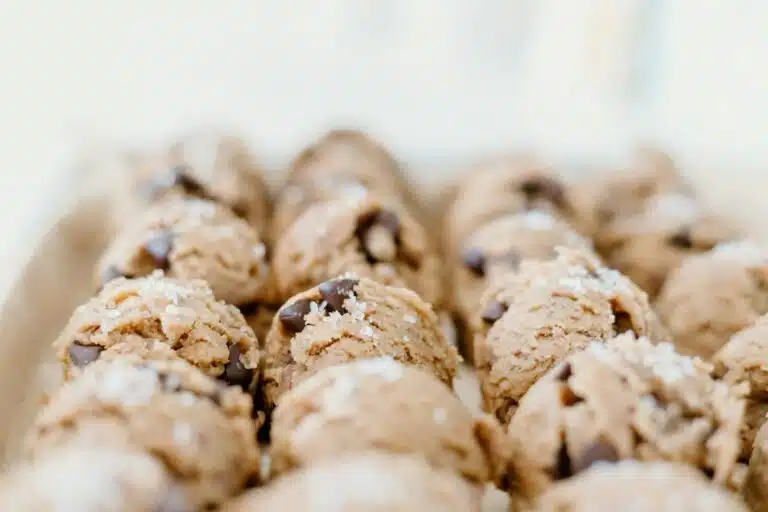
(564, 372)
(336, 291)
(493, 312)
(292, 315)
(545, 188)
(184, 180)
(562, 468)
(598, 451)
(622, 322)
(159, 248)
(83, 355)
(235, 373)
(681, 240)
(250, 308)
(474, 259)
(568, 398)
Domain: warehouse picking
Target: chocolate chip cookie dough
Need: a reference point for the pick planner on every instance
(199, 428)
(643, 486)
(345, 319)
(372, 482)
(381, 405)
(651, 244)
(161, 318)
(87, 478)
(744, 360)
(624, 399)
(366, 236)
(756, 485)
(714, 295)
(529, 321)
(205, 165)
(191, 238)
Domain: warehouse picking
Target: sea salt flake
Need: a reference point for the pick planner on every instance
(409, 318)
(367, 331)
(538, 220)
(259, 251)
(385, 367)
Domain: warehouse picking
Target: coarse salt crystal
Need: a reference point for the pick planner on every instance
(367, 331)
(259, 251)
(410, 319)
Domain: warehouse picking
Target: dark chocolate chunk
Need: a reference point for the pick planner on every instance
(292, 315)
(184, 180)
(562, 468)
(622, 322)
(474, 259)
(564, 372)
(545, 188)
(336, 291)
(493, 312)
(159, 248)
(568, 398)
(681, 240)
(599, 451)
(83, 355)
(235, 373)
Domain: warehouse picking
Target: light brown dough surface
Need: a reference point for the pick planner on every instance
(756, 486)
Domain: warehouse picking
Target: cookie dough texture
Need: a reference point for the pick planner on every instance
(714, 295)
(624, 399)
(88, 478)
(506, 185)
(193, 239)
(366, 236)
(346, 319)
(641, 487)
(206, 165)
(199, 428)
(161, 318)
(744, 361)
(380, 404)
(372, 482)
(756, 486)
(651, 244)
(529, 321)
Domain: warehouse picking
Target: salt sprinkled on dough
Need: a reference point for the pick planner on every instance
(366, 331)
(538, 220)
(259, 251)
(409, 318)
(384, 367)
(125, 384)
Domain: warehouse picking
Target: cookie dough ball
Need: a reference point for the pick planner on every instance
(529, 321)
(88, 478)
(624, 399)
(744, 360)
(714, 295)
(498, 248)
(205, 165)
(193, 239)
(643, 487)
(372, 482)
(198, 427)
(363, 235)
(756, 485)
(161, 318)
(380, 404)
(345, 319)
(648, 246)
(509, 185)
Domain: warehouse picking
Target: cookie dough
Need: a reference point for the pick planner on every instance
(380, 404)
(529, 321)
(641, 487)
(756, 485)
(198, 427)
(503, 186)
(744, 360)
(88, 478)
(350, 318)
(712, 296)
(364, 235)
(205, 165)
(648, 246)
(498, 248)
(161, 318)
(624, 399)
(371, 482)
(193, 239)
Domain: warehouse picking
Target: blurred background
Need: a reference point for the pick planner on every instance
(440, 81)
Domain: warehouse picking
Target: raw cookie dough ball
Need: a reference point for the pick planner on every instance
(529, 321)
(363, 235)
(648, 246)
(641, 487)
(198, 427)
(744, 359)
(372, 482)
(508, 185)
(383, 405)
(345, 319)
(161, 318)
(756, 485)
(90, 479)
(498, 248)
(712, 296)
(624, 399)
(202, 165)
(193, 239)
